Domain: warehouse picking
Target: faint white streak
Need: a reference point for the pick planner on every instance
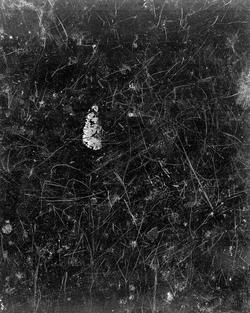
(244, 91)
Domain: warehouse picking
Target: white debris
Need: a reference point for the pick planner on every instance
(133, 86)
(92, 130)
(131, 297)
(2, 307)
(19, 275)
(133, 114)
(123, 301)
(132, 287)
(169, 297)
(7, 228)
(231, 250)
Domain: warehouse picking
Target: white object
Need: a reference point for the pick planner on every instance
(92, 130)
(169, 297)
(7, 228)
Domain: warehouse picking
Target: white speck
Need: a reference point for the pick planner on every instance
(2, 307)
(92, 130)
(93, 200)
(131, 297)
(170, 297)
(25, 234)
(11, 37)
(113, 199)
(133, 86)
(208, 234)
(131, 287)
(7, 228)
(133, 114)
(231, 250)
(122, 301)
(19, 275)
(135, 45)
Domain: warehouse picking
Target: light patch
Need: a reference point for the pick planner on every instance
(133, 114)
(169, 297)
(19, 275)
(2, 306)
(243, 98)
(92, 130)
(7, 228)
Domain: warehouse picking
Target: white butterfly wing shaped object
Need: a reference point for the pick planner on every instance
(92, 130)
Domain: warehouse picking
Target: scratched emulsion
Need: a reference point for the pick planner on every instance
(121, 156)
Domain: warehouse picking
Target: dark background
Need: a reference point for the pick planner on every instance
(163, 204)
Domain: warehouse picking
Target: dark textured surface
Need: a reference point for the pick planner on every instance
(166, 195)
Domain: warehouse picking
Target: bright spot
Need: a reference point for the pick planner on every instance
(208, 234)
(131, 297)
(133, 86)
(133, 244)
(2, 307)
(132, 114)
(231, 250)
(131, 287)
(170, 297)
(19, 275)
(122, 301)
(92, 130)
(135, 45)
(113, 199)
(7, 228)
